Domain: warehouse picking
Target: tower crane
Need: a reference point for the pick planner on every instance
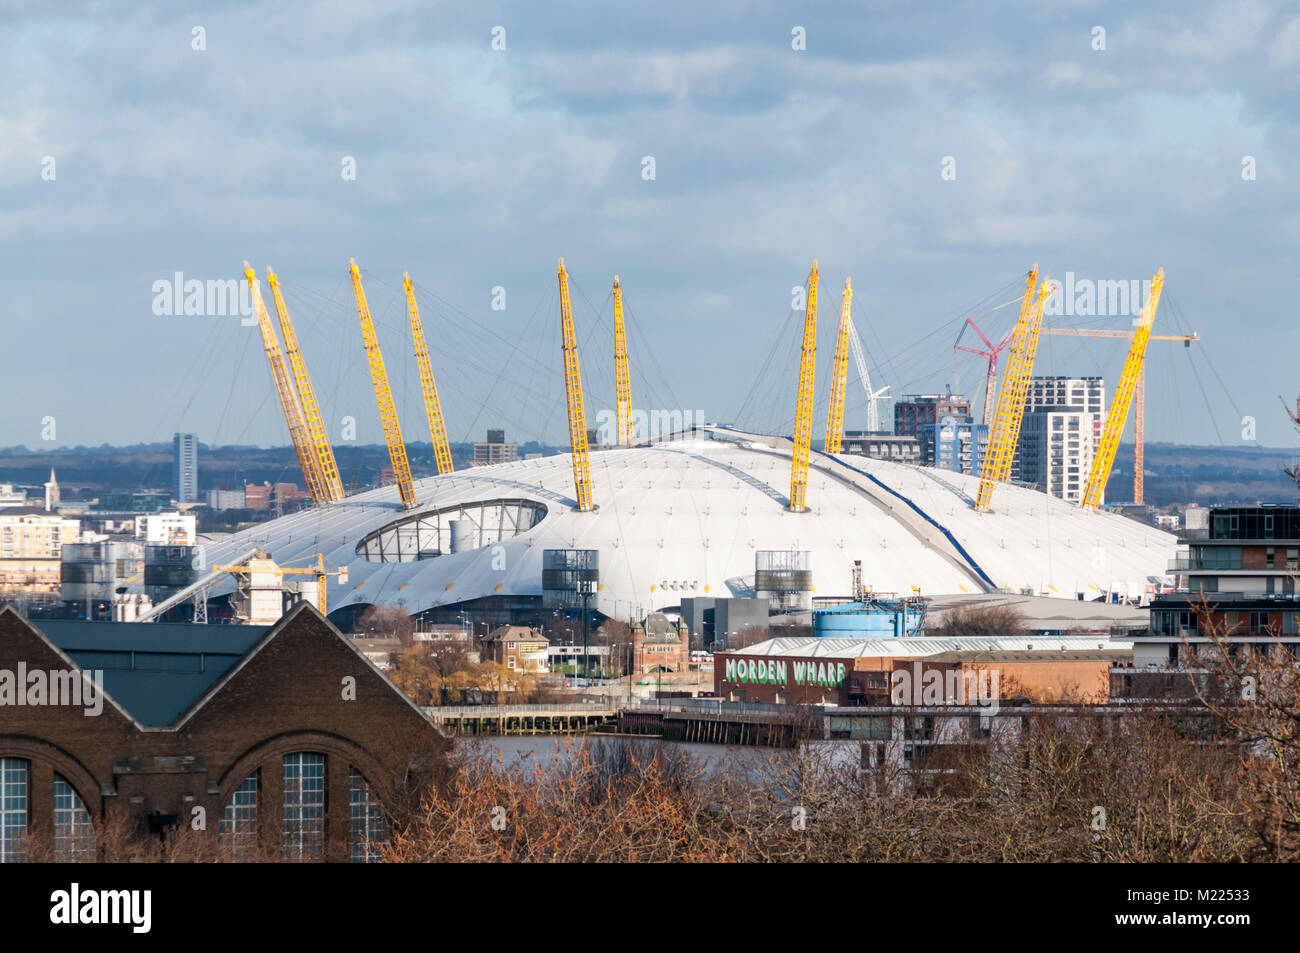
(316, 486)
(860, 358)
(622, 379)
(1104, 458)
(1015, 389)
(573, 394)
(990, 381)
(320, 441)
(383, 395)
(804, 400)
(1139, 394)
(839, 376)
(319, 571)
(432, 408)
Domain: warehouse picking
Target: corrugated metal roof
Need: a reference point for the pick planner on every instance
(154, 671)
(924, 646)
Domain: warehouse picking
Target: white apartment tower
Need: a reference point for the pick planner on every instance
(1059, 434)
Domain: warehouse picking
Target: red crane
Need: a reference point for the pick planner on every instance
(990, 384)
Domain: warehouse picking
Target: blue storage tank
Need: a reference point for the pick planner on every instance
(870, 618)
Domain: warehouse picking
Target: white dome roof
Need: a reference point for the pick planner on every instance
(684, 518)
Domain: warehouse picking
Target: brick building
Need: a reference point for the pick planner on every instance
(283, 742)
(519, 648)
(660, 642)
(854, 672)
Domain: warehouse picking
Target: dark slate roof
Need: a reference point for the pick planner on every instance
(154, 670)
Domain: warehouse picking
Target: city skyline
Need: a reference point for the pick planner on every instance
(764, 156)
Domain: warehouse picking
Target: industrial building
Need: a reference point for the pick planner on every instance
(863, 671)
(250, 727)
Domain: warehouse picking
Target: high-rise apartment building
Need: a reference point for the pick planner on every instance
(185, 485)
(1059, 434)
(495, 450)
(932, 418)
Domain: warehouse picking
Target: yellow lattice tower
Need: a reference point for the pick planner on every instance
(1000, 449)
(383, 395)
(804, 400)
(622, 378)
(432, 408)
(320, 440)
(573, 394)
(316, 486)
(1027, 357)
(1104, 457)
(839, 376)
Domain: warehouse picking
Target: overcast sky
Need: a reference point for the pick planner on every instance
(138, 140)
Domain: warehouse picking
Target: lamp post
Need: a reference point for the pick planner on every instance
(588, 589)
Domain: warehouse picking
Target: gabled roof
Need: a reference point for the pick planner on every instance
(155, 671)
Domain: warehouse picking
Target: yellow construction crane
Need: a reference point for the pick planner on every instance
(311, 473)
(839, 376)
(432, 408)
(1139, 394)
(383, 395)
(1104, 457)
(622, 379)
(319, 571)
(804, 400)
(1000, 453)
(573, 394)
(306, 395)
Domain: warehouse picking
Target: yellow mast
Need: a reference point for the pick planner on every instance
(804, 400)
(573, 394)
(383, 396)
(622, 379)
(1026, 372)
(306, 395)
(316, 485)
(839, 377)
(1104, 458)
(1139, 399)
(432, 408)
(1001, 449)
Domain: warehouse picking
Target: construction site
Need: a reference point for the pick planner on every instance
(651, 519)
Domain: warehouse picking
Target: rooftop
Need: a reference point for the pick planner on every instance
(921, 646)
(154, 671)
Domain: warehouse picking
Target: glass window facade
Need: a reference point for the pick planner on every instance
(74, 837)
(238, 831)
(13, 810)
(304, 806)
(367, 825)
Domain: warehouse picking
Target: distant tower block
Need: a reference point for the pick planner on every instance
(784, 578)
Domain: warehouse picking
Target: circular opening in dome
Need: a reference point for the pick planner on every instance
(452, 529)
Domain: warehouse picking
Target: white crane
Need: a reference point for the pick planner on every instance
(873, 396)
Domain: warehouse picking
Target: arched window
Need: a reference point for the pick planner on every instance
(74, 837)
(304, 806)
(13, 810)
(367, 825)
(238, 830)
